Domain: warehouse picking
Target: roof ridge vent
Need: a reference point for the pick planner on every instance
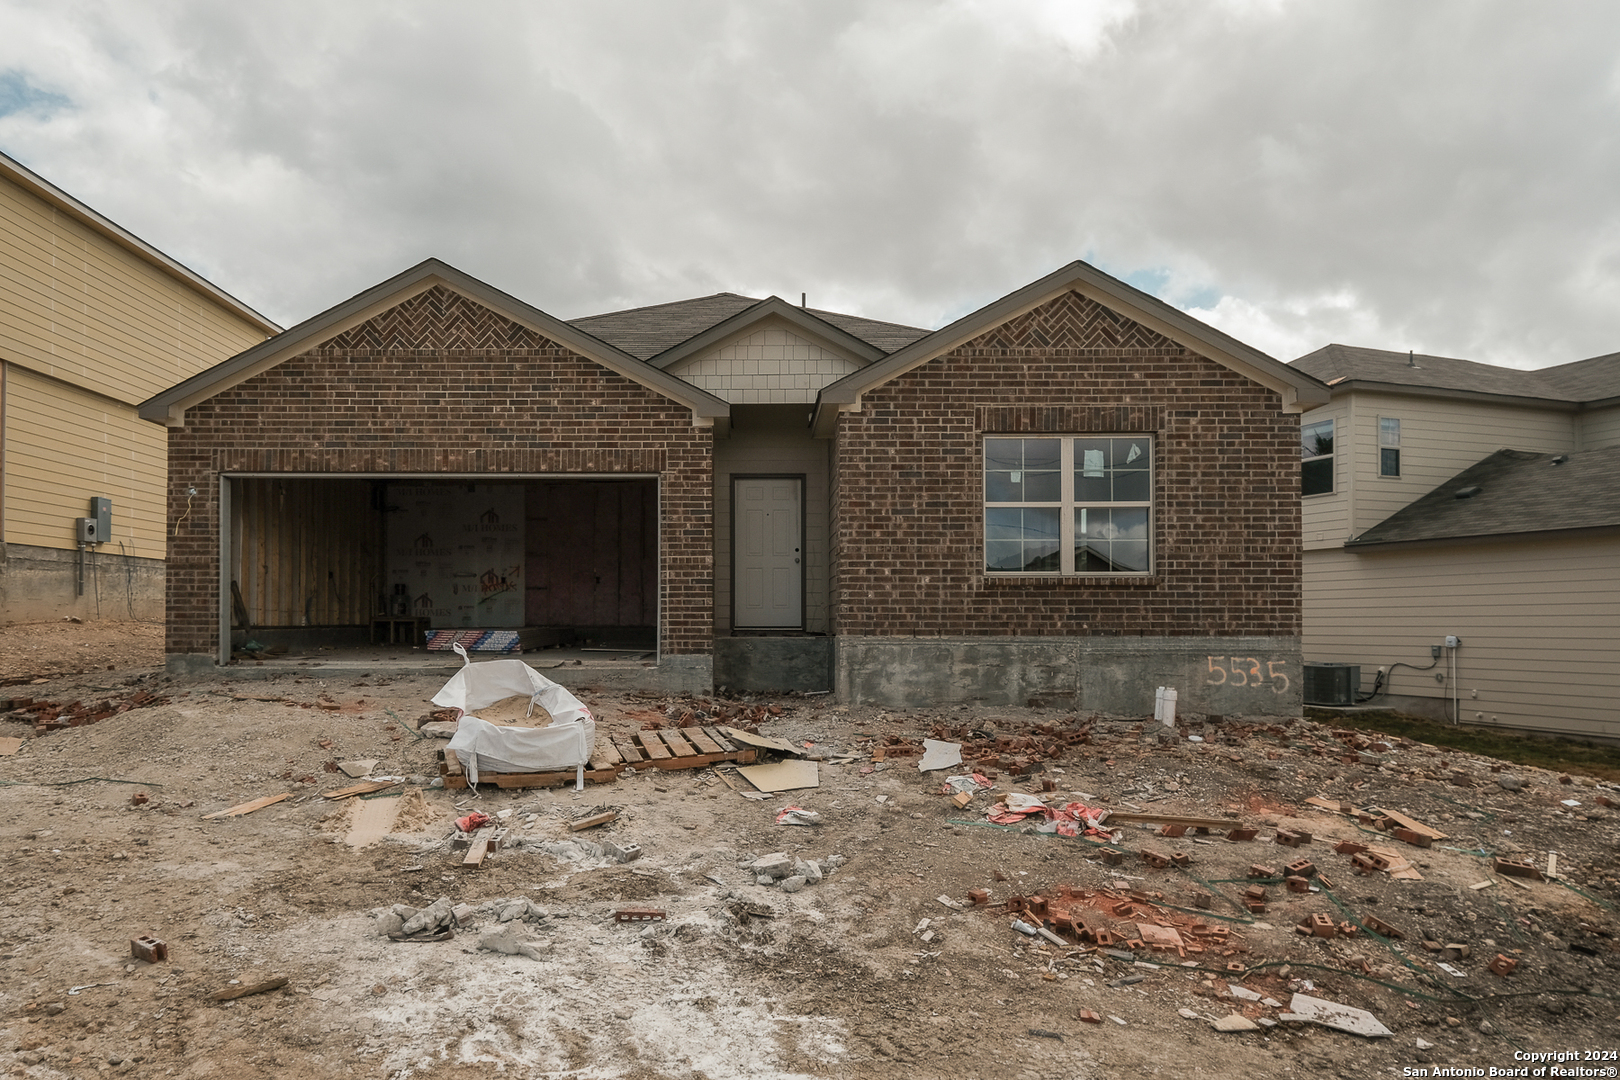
(1468, 492)
(1559, 460)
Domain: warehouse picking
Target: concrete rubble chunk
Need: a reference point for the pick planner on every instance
(1236, 1022)
(432, 917)
(810, 870)
(792, 884)
(1186, 1014)
(463, 913)
(404, 911)
(512, 940)
(775, 865)
(1242, 993)
(390, 923)
(621, 853)
(517, 909)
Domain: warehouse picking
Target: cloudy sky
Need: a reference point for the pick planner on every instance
(1437, 176)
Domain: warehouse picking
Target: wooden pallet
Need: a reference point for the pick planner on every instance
(673, 748)
(598, 771)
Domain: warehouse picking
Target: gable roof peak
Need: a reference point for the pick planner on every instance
(169, 407)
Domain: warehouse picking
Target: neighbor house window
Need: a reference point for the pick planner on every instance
(1071, 505)
(1389, 446)
(1316, 457)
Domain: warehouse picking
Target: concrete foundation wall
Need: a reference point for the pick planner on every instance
(1220, 675)
(680, 674)
(766, 664)
(40, 584)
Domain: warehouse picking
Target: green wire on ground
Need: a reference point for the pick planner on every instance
(70, 783)
(1485, 815)
(416, 734)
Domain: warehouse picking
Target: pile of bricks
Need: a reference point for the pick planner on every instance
(50, 716)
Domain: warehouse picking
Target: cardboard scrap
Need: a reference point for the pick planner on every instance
(359, 769)
(762, 742)
(1334, 1015)
(249, 807)
(782, 776)
(939, 755)
(9, 746)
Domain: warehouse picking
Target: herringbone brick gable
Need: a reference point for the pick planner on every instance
(439, 318)
(1071, 321)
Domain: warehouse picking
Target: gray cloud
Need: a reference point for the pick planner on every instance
(1439, 176)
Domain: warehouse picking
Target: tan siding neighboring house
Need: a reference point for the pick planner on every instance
(1536, 620)
(1600, 428)
(92, 322)
(1525, 573)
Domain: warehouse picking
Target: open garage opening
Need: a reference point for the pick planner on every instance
(321, 564)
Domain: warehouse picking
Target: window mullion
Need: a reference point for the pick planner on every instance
(1066, 517)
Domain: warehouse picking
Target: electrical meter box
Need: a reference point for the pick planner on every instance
(101, 510)
(97, 528)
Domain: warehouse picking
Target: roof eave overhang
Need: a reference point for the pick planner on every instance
(1299, 391)
(169, 407)
(1586, 531)
(823, 333)
(1346, 386)
(58, 199)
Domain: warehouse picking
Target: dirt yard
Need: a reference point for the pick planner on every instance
(864, 974)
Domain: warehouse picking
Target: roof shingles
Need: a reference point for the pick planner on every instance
(645, 332)
(1519, 492)
(1584, 380)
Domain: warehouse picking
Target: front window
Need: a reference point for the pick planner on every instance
(1070, 505)
(1316, 458)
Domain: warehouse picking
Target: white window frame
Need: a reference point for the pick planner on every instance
(1332, 468)
(1069, 508)
(1384, 444)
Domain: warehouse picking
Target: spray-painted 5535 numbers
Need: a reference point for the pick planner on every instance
(1245, 671)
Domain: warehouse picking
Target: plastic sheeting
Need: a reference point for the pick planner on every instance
(566, 743)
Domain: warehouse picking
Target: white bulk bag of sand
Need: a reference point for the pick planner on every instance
(567, 742)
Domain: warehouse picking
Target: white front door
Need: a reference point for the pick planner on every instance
(768, 563)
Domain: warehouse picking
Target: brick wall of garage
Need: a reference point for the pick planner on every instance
(907, 544)
(441, 384)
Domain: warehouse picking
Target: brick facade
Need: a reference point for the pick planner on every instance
(441, 384)
(907, 530)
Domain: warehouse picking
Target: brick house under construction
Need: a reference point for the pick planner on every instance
(1075, 493)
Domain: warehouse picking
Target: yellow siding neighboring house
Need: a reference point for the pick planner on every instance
(93, 321)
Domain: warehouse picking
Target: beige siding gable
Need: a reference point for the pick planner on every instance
(768, 365)
(1438, 439)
